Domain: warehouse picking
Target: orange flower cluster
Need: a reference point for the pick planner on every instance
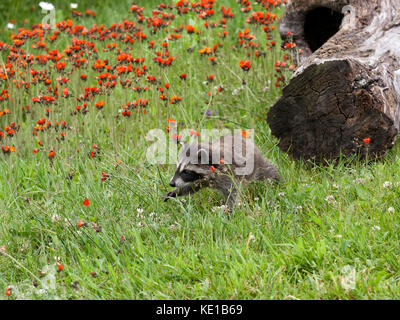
(75, 69)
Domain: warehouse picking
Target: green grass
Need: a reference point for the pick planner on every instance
(326, 233)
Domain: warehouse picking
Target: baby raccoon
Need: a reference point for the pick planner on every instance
(225, 166)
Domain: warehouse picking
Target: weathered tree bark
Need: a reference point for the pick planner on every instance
(344, 97)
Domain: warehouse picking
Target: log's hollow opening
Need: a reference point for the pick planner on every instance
(320, 24)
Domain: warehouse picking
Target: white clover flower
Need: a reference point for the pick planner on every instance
(139, 213)
(387, 184)
(172, 227)
(74, 5)
(299, 208)
(140, 224)
(281, 194)
(376, 228)
(359, 180)
(222, 207)
(10, 25)
(330, 199)
(391, 210)
(55, 218)
(46, 6)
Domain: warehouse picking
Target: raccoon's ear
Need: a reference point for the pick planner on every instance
(203, 156)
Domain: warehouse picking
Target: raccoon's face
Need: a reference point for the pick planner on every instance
(189, 168)
(185, 177)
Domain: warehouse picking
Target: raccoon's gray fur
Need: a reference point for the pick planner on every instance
(224, 165)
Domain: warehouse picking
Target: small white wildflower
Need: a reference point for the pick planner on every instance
(221, 207)
(252, 237)
(57, 259)
(42, 291)
(359, 180)
(172, 227)
(299, 208)
(268, 86)
(281, 194)
(140, 224)
(10, 25)
(235, 92)
(152, 214)
(391, 210)
(335, 186)
(387, 184)
(55, 218)
(256, 198)
(338, 236)
(205, 83)
(139, 213)
(330, 199)
(74, 5)
(376, 228)
(46, 6)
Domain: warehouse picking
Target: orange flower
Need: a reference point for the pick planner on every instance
(190, 28)
(51, 154)
(205, 50)
(367, 141)
(99, 105)
(86, 202)
(245, 65)
(246, 133)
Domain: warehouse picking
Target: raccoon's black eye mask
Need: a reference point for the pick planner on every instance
(190, 176)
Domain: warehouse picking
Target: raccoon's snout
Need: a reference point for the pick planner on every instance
(172, 183)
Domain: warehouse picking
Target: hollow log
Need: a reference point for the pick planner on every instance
(344, 96)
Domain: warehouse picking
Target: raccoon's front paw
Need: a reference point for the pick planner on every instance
(170, 194)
